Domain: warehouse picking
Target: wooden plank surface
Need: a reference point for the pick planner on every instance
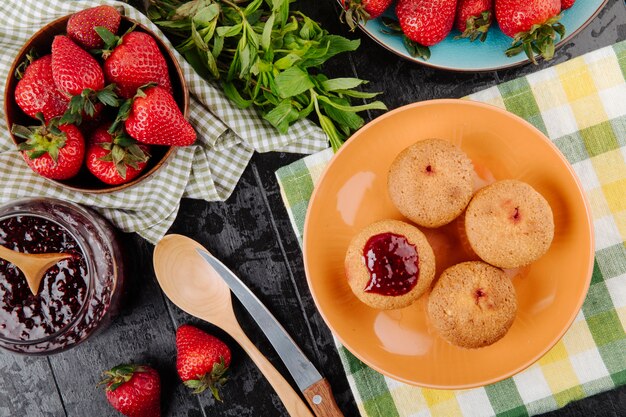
(252, 234)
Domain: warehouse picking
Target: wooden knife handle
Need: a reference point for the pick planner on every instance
(320, 398)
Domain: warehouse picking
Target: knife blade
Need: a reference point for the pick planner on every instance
(308, 379)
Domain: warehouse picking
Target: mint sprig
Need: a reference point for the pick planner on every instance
(270, 57)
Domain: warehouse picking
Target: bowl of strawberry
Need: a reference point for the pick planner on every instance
(471, 35)
(96, 102)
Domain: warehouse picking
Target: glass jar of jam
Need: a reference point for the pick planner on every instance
(77, 296)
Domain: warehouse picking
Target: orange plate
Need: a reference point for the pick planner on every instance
(352, 193)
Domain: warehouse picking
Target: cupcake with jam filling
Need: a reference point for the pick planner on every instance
(389, 264)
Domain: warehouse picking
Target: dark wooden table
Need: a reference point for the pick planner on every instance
(251, 233)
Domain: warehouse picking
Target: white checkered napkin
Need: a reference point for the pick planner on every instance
(209, 170)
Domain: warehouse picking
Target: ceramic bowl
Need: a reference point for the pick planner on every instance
(352, 193)
(465, 56)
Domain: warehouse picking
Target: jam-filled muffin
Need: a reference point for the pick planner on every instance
(430, 182)
(472, 304)
(389, 264)
(509, 224)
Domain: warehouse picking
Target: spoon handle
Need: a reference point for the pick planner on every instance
(291, 400)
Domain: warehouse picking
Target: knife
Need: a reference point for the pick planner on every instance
(315, 388)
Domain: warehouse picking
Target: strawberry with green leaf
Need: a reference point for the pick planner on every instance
(81, 25)
(53, 151)
(425, 23)
(202, 359)
(356, 11)
(79, 75)
(133, 60)
(533, 25)
(114, 157)
(134, 390)
(36, 91)
(153, 117)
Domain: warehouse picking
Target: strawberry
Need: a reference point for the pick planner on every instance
(533, 25)
(36, 91)
(425, 23)
(356, 11)
(134, 390)
(74, 69)
(80, 27)
(201, 359)
(115, 158)
(53, 151)
(154, 118)
(566, 4)
(473, 19)
(132, 61)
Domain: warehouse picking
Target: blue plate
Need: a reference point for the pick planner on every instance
(463, 55)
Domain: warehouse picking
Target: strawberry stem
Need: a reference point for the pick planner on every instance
(354, 13)
(41, 140)
(21, 68)
(119, 375)
(477, 27)
(539, 40)
(211, 380)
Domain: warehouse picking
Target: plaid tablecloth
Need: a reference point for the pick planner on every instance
(209, 170)
(581, 106)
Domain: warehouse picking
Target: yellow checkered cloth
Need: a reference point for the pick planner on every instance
(581, 106)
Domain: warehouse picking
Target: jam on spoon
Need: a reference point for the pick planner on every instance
(393, 264)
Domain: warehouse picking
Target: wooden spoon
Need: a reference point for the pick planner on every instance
(196, 288)
(32, 265)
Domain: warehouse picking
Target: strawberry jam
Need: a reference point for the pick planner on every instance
(24, 316)
(393, 264)
(77, 296)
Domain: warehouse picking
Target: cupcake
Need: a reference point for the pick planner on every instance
(509, 224)
(430, 182)
(389, 264)
(472, 305)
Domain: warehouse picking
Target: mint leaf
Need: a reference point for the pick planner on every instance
(292, 82)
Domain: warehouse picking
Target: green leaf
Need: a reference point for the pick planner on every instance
(357, 94)
(345, 118)
(121, 169)
(118, 154)
(197, 39)
(211, 64)
(206, 15)
(21, 131)
(331, 131)
(287, 61)
(108, 97)
(335, 45)
(175, 24)
(282, 116)
(292, 82)
(218, 45)
(107, 36)
(416, 50)
(231, 92)
(252, 7)
(375, 105)
(341, 84)
(266, 38)
(229, 31)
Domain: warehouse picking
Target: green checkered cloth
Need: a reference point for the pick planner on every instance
(581, 106)
(209, 170)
